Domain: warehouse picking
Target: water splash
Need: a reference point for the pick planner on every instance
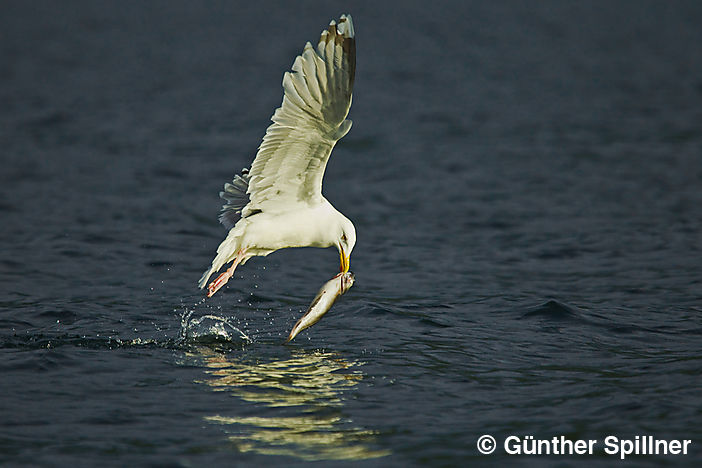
(210, 329)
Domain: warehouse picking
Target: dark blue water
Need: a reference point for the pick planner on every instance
(526, 184)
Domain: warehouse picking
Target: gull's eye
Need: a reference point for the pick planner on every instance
(343, 237)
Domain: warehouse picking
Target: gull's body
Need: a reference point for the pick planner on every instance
(279, 203)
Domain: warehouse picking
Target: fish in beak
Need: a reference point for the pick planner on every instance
(327, 295)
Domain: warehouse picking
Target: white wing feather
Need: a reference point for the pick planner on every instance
(290, 162)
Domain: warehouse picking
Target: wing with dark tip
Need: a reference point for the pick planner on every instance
(291, 160)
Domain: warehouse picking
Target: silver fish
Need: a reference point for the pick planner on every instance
(327, 295)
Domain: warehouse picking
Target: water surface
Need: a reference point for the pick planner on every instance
(525, 181)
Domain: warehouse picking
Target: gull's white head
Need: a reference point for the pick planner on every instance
(347, 241)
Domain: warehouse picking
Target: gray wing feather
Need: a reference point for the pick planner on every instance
(235, 195)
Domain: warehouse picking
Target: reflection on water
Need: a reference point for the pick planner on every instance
(298, 404)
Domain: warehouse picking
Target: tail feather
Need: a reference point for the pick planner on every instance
(226, 252)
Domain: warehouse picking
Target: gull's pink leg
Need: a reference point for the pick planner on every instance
(222, 279)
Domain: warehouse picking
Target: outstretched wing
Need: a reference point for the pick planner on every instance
(290, 162)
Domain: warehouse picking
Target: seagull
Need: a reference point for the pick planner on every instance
(278, 203)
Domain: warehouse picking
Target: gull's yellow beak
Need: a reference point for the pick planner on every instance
(345, 261)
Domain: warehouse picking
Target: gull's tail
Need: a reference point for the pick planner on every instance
(226, 252)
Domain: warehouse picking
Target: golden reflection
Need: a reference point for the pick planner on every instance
(312, 385)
